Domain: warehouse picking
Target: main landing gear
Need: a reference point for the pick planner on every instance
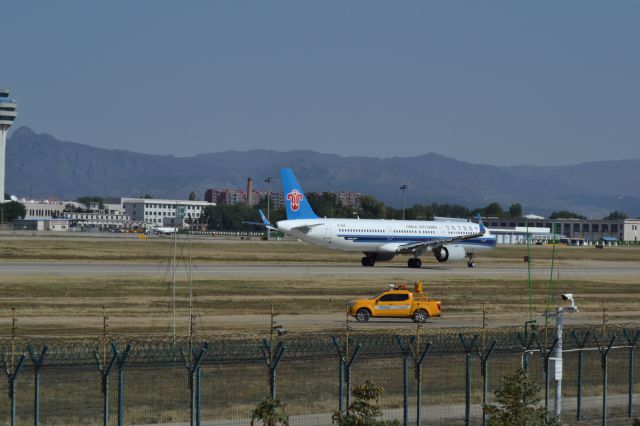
(368, 261)
(414, 262)
(472, 262)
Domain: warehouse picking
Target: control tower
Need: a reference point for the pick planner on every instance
(7, 117)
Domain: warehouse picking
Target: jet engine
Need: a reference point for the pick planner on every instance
(450, 253)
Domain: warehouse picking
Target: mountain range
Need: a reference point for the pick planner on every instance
(40, 166)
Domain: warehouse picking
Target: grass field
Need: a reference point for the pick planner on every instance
(71, 304)
(129, 248)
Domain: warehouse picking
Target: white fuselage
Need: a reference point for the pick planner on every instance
(384, 236)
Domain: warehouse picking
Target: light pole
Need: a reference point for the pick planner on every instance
(268, 181)
(403, 187)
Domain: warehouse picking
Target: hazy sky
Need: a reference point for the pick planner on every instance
(497, 82)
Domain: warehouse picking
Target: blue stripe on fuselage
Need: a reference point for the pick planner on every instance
(489, 242)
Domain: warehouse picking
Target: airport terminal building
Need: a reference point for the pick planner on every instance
(579, 229)
(159, 212)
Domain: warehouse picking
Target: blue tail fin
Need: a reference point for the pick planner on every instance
(265, 222)
(479, 218)
(294, 199)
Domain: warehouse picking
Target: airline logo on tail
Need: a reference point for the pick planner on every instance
(294, 198)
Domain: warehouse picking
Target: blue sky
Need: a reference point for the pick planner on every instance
(496, 82)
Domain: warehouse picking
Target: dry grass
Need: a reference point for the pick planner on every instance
(129, 248)
(71, 304)
(140, 304)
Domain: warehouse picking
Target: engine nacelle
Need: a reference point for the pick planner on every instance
(450, 253)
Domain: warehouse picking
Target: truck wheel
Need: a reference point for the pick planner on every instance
(363, 315)
(420, 316)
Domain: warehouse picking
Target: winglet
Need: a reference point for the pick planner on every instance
(482, 228)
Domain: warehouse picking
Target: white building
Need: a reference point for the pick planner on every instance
(158, 212)
(43, 209)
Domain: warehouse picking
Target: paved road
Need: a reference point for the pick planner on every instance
(593, 269)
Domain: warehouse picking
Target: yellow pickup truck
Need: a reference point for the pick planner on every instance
(397, 302)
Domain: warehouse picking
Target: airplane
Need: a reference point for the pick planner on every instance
(164, 230)
(381, 239)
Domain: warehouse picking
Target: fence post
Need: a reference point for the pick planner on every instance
(526, 340)
(12, 377)
(37, 363)
(121, 360)
(581, 342)
(468, 345)
(418, 359)
(546, 353)
(632, 340)
(404, 348)
(348, 364)
(604, 353)
(105, 370)
(273, 361)
(341, 361)
(193, 368)
(484, 358)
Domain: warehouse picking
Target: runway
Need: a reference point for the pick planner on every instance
(591, 269)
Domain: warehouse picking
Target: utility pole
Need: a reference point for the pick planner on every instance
(403, 187)
(557, 400)
(268, 181)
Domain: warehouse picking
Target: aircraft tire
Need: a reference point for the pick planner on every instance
(414, 262)
(471, 264)
(368, 261)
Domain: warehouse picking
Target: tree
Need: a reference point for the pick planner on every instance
(370, 208)
(365, 410)
(518, 403)
(192, 196)
(515, 210)
(492, 210)
(11, 211)
(616, 215)
(565, 214)
(271, 413)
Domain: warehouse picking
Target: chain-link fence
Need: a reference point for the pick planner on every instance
(217, 380)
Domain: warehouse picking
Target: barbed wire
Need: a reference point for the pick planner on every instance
(243, 348)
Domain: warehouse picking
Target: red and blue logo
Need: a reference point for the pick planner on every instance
(294, 198)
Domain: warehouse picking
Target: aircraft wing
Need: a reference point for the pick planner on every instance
(434, 244)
